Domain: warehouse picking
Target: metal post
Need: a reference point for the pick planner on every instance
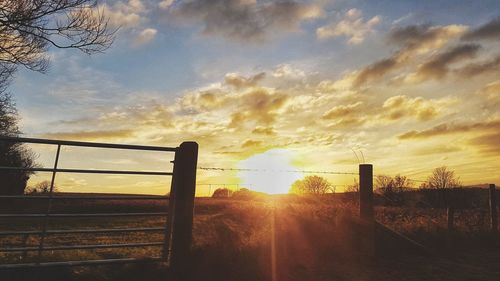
(182, 206)
(367, 235)
(49, 206)
(493, 208)
(366, 191)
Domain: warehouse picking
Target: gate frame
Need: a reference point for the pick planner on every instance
(179, 219)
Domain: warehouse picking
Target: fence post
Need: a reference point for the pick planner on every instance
(493, 208)
(181, 209)
(367, 239)
(366, 191)
(450, 213)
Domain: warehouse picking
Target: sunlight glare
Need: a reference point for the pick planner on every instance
(272, 177)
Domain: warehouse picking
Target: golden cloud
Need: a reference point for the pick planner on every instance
(400, 106)
(342, 111)
(445, 129)
(351, 26)
(239, 81)
(437, 67)
(91, 135)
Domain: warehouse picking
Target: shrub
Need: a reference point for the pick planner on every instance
(222, 193)
(40, 188)
(315, 185)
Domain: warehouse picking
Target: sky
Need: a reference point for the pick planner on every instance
(412, 85)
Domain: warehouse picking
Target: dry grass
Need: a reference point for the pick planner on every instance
(314, 239)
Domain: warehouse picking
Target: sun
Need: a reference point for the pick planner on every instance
(271, 172)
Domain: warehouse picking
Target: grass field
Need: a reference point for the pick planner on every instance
(271, 238)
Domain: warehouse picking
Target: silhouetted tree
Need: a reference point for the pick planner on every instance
(442, 178)
(12, 154)
(29, 27)
(311, 185)
(392, 187)
(439, 185)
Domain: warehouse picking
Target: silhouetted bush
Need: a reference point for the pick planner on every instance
(314, 185)
(247, 194)
(40, 188)
(392, 188)
(222, 193)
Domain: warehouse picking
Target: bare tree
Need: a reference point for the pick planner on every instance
(439, 187)
(392, 187)
(442, 178)
(354, 187)
(383, 183)
(29, 27)
(311, 185)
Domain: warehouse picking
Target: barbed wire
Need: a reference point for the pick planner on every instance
(277, 171)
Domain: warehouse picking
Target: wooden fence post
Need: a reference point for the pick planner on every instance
(493, 208)
(181, 209)
(450, 213)
(366, 192)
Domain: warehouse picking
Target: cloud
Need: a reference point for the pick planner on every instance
(491, 91)
(146, 36)
(239, 81)
(124, 15)
(437, 67)
(259, 106)
(251, 143)
(351, 26)
(478, 68)
(165, 4)
(445, 129)
(413, 40)
(245, 20)
(269, 131)
(398, 107)
(91, 135)
(490, 95)
(437, 148)
(377, 69)
(489, 143)
(423, 38)
(341, 111)
(287, 71)
(488, 31)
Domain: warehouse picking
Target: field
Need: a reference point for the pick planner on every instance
(275, 238)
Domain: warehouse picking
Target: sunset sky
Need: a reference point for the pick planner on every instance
(414, 85)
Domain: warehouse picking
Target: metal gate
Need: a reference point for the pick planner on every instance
(175, 231)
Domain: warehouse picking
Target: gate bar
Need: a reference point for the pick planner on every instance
(81, 247)
(78, 215)
(83, 171)
(88, 144)
(79, 263)
(103, 197)
(83, 231)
